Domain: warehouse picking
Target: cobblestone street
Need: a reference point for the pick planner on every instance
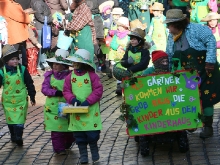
(115, 147)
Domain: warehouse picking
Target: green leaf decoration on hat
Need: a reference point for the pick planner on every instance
(61, 59)
(83, 59)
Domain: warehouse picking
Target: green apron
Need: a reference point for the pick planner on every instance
(82, 88)
(51, 120)
(83, 40)
(159, 34)
(14, 98)
(134, 12)
(137, 59)
(217, 37)
(117, 54)
(209, 87)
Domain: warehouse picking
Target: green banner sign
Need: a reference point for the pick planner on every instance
(162, 103)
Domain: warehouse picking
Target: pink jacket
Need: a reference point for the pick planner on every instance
(97, 88)
(213, 31)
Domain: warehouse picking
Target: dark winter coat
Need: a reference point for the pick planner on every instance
(42, 10)
(145, 58)
(24, 3)
(57, 5)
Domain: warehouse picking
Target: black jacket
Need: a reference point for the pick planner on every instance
(145, 58)
(27, 81)
(24, 3)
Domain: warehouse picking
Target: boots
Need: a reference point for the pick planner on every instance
(18, 130)
(119, 89)
(207, 130)
(83, 153)
(94, 151)
(11, 129)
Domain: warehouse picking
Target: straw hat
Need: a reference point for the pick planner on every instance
(123, 21)
(117, 10)
(157, 6)
(138, 33)
(29, 11)
(106, 3)
(82, 56)
(210, 16)
(60, 57)
(174, 15)
(137, 24)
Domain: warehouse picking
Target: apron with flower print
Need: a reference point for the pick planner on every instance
(14, 98)
(118, 54)
(82, 88)
(159, 35)
(209, 87)
(51, 120)
(217, 37)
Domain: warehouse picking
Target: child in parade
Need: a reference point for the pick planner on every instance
(137, 24)
(119, 42)
(84, 88)
(52, 87)
(17, 85)
(117, 12)
(137, 56)
(212, 22)
(161, 64)
(32, 45)
(105, 10)
(158, 30)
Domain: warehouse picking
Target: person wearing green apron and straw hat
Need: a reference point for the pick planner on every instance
(17, 85)
(193, 46)
(83, 87)
(52, 87)
(212, 22)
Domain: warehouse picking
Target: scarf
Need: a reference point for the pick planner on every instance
(135, 49)
(105, 17)
(176, 37)
(123, 34)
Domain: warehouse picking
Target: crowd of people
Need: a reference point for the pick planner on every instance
(134, 37)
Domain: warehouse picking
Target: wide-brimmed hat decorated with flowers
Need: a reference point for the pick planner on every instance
(82, 56)
(210, 16)
(157, 6)
(60, 57)
(174, 15)
(107, 4)
(137, 24)
(138, 33)
(123, 21)
(117, 10)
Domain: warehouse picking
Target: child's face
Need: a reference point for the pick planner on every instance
(76, 65)
(133, 41)
(164, 62)
(13, 62)
(116, 16)
(58, 67)
(108, 11)
(121, 28)
(213, 23)
(156, 13)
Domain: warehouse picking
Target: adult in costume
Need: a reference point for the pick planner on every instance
(193, 46)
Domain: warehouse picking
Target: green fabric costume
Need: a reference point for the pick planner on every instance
(134, 12)
(51, 120)
(14, 97)
(82, 88)
(83, 40)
